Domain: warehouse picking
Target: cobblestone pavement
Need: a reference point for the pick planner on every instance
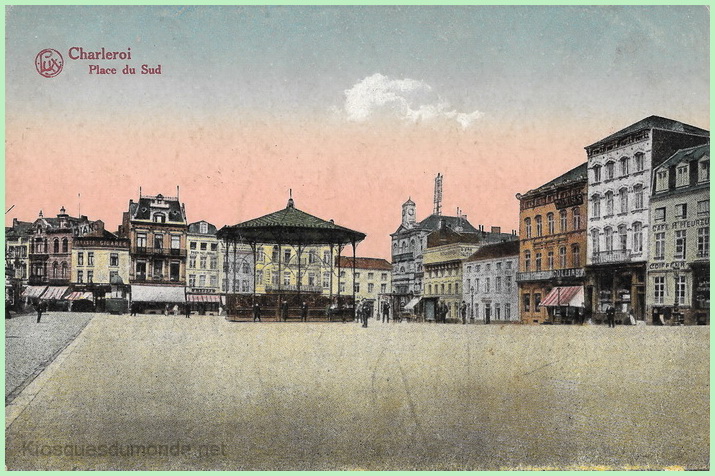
(157, 392)
(30, 346)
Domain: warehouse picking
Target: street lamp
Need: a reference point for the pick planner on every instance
(471, 310)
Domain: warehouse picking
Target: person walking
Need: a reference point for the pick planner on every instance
(385, 311)
(284, 311)
(611, 316)
(40, 307)
(304, 312)
(365, 314)
(463, 310)
(256, 312)
(188, 310)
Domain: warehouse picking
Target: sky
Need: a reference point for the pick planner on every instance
(354, 109)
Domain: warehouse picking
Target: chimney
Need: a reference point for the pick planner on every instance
(14, 222)
(496, 229)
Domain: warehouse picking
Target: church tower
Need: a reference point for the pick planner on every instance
(408, 214)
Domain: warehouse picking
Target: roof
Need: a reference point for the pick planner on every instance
(148, 204)
(364, 263)
(577, 174)
(290, 226)
(447, 236)
(18, 228)
(652, 122)
(686, 155)
(196, 228)
(432, 222)
(497, 250)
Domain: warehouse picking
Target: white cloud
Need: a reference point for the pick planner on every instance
(407, 99)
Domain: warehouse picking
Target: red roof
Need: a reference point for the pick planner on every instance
(364, 263)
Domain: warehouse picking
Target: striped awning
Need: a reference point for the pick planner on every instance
(411, 305)
(203, 298)
(33, 291)
(165, 294)
(564, 296)
(79, 295)
(54, 292)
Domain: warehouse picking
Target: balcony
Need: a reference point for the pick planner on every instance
(703, 254)
(613, 256)
(550, 274)
(402, 257)
(272, 288)
(161, 252)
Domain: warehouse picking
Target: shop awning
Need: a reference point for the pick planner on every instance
(144, 293)
(203, 298)
(54, 292)
(564, 296)
(33, 291)
(411, 305)
(79, 295)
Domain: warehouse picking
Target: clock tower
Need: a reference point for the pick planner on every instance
(408, 214)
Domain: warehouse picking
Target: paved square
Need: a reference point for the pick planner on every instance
(158, 392)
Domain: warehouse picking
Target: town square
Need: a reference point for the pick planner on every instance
(357, 238)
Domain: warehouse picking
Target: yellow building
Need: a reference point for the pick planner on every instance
(98, 263)
(372, 279)
(278, 268)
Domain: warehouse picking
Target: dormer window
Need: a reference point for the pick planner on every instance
(159, 218)
(204, 227)
(704, 170)
(681, 175)
(661, 180)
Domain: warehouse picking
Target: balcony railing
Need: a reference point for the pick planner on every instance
(402, 256)
(550, 274)
(144, 251)
(293, 288)
(613, 256)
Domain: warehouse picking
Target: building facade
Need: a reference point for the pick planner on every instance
(372, 278)
(156, 228)
(278, 269)
(237, 267)
(619, 226)
(98, 263)
(17, 250)
(678, 287)
(552, 229)
(204, 259)
(489, 287)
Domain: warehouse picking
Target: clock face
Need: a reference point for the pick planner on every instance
(411, 212)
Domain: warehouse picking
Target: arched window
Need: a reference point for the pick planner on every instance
(539, 226)
(563, 218)
(55, 266)
(640, 161)
(623, 194)
(576, 212)
(637, 237)
(65, 245)
(596, 173)
(527, 260)
(595, 241)
(64, 270)
(412, 244)
(624, 162)
(550, 223)
(638, 196)
(537, 262)
(56, 246)
(403, 248)
(609, 203)
(275, 255)
(622, 237)
(575, 256)
(527, 227)
(596, 205)
(562, 257)
(608, 236)
(610, 170)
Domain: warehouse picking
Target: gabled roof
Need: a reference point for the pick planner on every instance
(431, 223)
(290, 226)
(577, 174)
(686, 155)
(364, 263)
(653, 122)
(143, 209)
(497, 250)
(18, 229)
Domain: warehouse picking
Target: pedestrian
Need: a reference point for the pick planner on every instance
(365, 314)
(304, 312)
(284, 311)
(463, 310)
(188, 310)
(176, 309)
(166, 309)
(611, 316)
(631, 317)
(256, 312)
(385, 311)
(40, 308)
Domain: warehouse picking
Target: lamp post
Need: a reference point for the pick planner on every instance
(471, 310)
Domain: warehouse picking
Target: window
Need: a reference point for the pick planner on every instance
(176, 242)
(527, 227)
(114, 259)
(286, 278)
(680, 286)
(703, 170)
(275, 254)
(659, 246)
(65, 245)
(55, 268)
(159, 218)
(203, 246)
(596, 173)
(637, 237)
(141, 269)
(456, 288)
(610, 168)
(659, 289)
(357, 275)
(638, 197)
(192, 280)
(90, 276)
(507, 283)
(80, 259)
(564, 221)
(203, 227)
(550, 223)
(192, 245)
(703, 207)
(661, 180)
(527, 260)
(113, 275)
(576, 212)
(680, 244)
(202, 262)
(487, 285)
(214, 246)
(383, 288)
(488, 267)
(640, 161)
(575, 256)
(659, 214)
(214, 262)
(596, 206)
(537, 302)
(538, 261)
(681, 210)
(624, 166)
(370, 288)
(286, 256)
(499, 266)
(497, 311)
(498, 284)
(244, 286)
(623, 194)
(703, 242)
(56, 245)
(550, 260)
(90, 258)
(80, 276)
(158, 241)
(562, 257)
(245, 268)
(192, 261)
(507, 311)
(141, 240)
(622, 238)
(681, 175)
(326, 279)
(608, 235)
(539, 227)
(508, 265)
(595, 242)
(383, 277)
(526, 302)
(312, 256)
(609, 203)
